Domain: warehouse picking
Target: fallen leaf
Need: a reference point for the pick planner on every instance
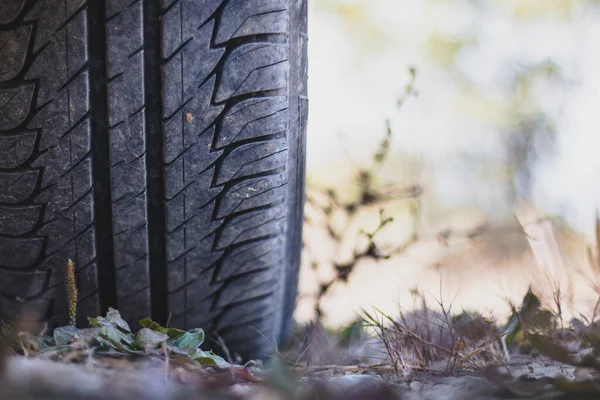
(191, 339)
(113, 318)
(155, 326)
(64, 334)
(148, 340)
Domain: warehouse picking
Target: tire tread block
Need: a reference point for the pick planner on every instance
(15, 104)
(254, 67)
(245, 18)
(14, 50)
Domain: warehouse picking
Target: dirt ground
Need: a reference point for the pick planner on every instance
(42, 379)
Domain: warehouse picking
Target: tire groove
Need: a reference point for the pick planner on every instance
(17, 21)
(154, 156)
(100, 155)
(73, 15)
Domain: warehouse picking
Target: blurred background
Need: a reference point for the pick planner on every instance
(501, 113)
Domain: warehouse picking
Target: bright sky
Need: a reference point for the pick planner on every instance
(357, 74)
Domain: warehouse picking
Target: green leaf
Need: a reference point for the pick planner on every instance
(94, 322)
(178, 360)
(191, 339)
(351, 332)
(208, 358)
(113, 318)
(511, 330)
(532, 316)
(174, 332)
(64, 334)
(530, 303)
(112, 336)
(45, 342)
(155, 326)
(147, 339)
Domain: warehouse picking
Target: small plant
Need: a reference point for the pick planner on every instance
(111, 336)
(417, 340)
(71, 287)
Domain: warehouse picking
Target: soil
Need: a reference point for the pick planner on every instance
(34, 378)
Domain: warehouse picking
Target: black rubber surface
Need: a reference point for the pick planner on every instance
(160, 145)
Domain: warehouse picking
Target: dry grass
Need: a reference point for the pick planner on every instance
(416, 341)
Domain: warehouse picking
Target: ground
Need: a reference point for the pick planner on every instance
(422, 355)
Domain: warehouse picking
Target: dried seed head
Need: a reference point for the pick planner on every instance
(71, 288)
